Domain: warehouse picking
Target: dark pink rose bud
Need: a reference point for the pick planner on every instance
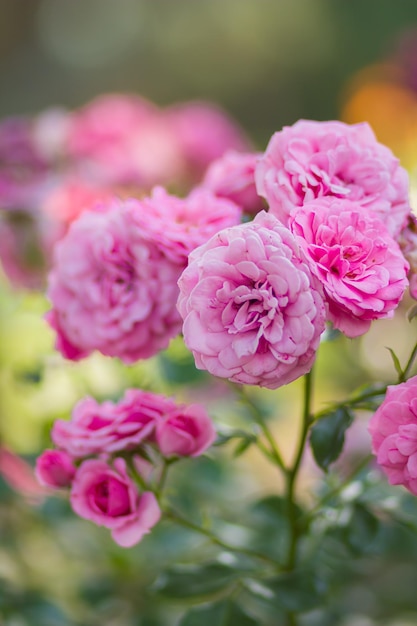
(55, 468)
(187, 431)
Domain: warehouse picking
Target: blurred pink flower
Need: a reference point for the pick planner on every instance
(393, 429)
(124, 139)
(179, 225)
(71, 197)
(314, 159)
(108, 497)
(24, 171)
(55, 468)
(252, 311)
(232, 176)
(112, 289)
(186, 431)
(19, 475)
(27, 239)
(110, 427)
(204, 133)
(361, 267)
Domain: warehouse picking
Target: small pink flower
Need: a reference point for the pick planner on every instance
(313, 159)
(204, 133)
(393, 429)
(186, 431)
(252, 311)
(112, 288)
(178, 225)
(107, 428)
(233, 177)
(352, 254)
(108, 497)
(55, 468)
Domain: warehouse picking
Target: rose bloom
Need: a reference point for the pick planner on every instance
(110, 427)
(204, 132)
(124, 139)
(108, 497)
(55, 468)
(408, 245)
(233, 177)
(186, 431)
(314, 159)
(252, 311)
(112, 289)
(393, 429)
(71, 197)
(361, 267)
(179, 225)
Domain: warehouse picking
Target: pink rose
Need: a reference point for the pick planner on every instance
(233, 177)
(108, 497)
(112, 289)
(361, 267)
(393, 429)
(55, 468)
(314, 159)
(204, 133)
(408, 245)
(252, 311)
(179, 225)
(108, 427)
(186, 431)
(124, 139)
(67, 200)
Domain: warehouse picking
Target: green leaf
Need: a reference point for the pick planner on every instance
(194, 581)
(225, 613)
(362, 529)
(227, 435)
(396, 362)
(242, 446)
(296, 591)
(328, 436)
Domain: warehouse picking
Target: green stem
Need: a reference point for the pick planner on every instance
(275, 453)
(409, 365)
(351, 402)
(186, 523)
(293, 474)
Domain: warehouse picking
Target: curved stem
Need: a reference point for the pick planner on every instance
(186, 523)
(275, 453)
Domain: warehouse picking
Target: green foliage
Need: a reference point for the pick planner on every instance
(224, 613)
(195, 581)
(328, 436)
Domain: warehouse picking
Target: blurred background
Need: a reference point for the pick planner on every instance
(266, 63)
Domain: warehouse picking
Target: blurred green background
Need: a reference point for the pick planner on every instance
(268, 63)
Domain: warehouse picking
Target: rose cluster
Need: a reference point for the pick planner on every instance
(335, 244)
(57, 164)
(104, 447)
